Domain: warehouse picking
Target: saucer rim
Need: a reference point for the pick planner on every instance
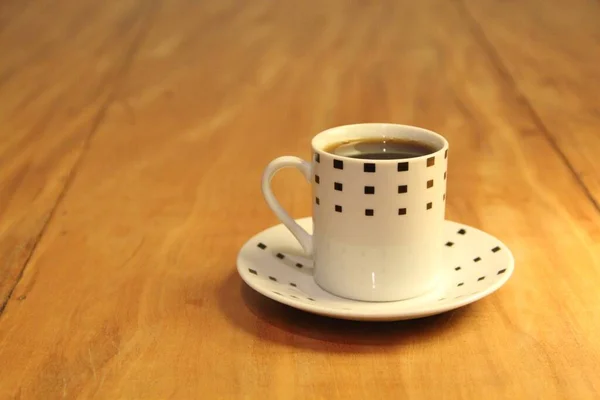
(374, 315)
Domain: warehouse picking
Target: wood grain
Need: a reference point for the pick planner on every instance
(54, 89)
(132, 291)
(550, 52)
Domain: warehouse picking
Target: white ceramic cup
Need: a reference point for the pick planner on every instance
(377, 224)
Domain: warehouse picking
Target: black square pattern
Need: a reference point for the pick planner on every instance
(429, 205)
(445, 174)
(369, 189)
(338, 186)
(369, 212)
(446, 154)
(496, 249)
(431, 161)
(338, 208)
(461, 231)
(338, 164)
(317, 157)
(402, 211)
(402, 166)
(477, 259)
(402, 189)
(317, 179)
(317, 200)
(264, 246)
(280, 256)
(449, 244)
(369, 167)
(430, 183)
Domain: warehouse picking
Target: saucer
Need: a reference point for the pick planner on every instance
(476, 264)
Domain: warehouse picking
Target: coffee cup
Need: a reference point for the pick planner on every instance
(379, 196)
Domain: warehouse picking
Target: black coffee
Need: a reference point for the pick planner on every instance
(381, 149)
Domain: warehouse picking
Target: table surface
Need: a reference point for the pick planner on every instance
(133, 138)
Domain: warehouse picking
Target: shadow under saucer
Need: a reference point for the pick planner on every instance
(257, 314)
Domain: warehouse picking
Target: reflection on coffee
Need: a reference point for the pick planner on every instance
(381, 149)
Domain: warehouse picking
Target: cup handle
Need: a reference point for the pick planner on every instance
(274, 166)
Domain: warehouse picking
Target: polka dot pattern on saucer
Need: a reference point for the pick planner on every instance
(475, 265)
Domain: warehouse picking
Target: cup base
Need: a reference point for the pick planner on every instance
(377, 296)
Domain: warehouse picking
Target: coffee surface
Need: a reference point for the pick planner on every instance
(380, 149)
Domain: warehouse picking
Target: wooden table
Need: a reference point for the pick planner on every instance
(133, 138)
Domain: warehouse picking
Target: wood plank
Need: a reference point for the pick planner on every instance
(57, 74)
(137, 269)
(551, 51)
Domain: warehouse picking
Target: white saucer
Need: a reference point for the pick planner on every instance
(475, 265)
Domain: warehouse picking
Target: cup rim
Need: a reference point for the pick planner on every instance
(319, 141)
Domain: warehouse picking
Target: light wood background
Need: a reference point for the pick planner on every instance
(133, 134)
